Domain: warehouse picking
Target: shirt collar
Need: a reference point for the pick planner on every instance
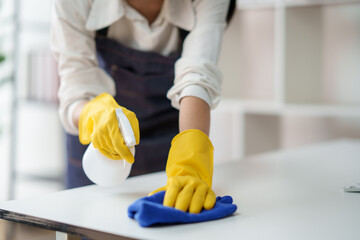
(180, 13)
(103, 13)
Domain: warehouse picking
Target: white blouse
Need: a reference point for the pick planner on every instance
(74, 25)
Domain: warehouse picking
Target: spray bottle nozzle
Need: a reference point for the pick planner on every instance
(125, 128)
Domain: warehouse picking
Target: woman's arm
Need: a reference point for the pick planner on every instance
(198, 80)
(194, 114)
(196, 72)
(73, 47)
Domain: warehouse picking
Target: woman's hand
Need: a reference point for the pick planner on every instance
(189, 169)
(98, 124)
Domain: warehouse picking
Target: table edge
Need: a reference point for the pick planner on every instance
(57, 226)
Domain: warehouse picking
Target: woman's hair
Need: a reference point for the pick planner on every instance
(231, 10)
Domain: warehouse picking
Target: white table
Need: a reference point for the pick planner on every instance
(295, 194)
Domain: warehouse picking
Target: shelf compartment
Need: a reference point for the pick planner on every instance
(39, 150)
(304, 130)
(270, 108)
(322, 55)
(261, 133)
(226, 133)
(248, 68)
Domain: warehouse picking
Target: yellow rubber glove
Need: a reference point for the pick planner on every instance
(189, 169)
(98, 124)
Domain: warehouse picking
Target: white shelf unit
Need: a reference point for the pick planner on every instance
(40, 144)
(291, 76)
(7, 26)
(7, 36)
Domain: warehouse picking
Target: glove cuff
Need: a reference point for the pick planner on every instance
(191, 154)
(196, 133)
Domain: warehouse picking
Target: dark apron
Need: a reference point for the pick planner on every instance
(142, 80)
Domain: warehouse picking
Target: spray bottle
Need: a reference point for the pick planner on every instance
(104, 171)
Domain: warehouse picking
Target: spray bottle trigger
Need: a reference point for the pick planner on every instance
(125, 128)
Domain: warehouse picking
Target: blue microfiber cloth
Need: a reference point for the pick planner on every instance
(148, 211)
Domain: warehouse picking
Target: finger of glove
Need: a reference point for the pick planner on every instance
(117, 141)
(135, 126)
(157, 190)
(101, 140)
(172, 190)
(84, 138)
(210, 200)
(86, 128)
(184, 197)
(108, 154)
(198, 199)
(100, 144)
(127, 156)
(134, 122)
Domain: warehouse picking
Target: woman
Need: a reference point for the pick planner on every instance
(118, 52)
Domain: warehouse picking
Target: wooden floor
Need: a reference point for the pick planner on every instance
(17, 231)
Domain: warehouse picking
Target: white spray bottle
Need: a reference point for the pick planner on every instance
(108, 172)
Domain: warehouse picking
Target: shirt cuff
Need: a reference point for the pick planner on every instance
(81, 86)
(195, 91)
(70, 125)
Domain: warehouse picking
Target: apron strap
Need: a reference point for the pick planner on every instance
(231, 10)
(102, 32)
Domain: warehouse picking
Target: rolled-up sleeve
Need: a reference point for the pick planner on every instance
(73, 47)
(196, 72)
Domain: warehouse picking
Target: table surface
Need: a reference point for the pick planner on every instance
(294, 194)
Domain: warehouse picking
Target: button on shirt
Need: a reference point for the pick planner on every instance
(74, 26)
